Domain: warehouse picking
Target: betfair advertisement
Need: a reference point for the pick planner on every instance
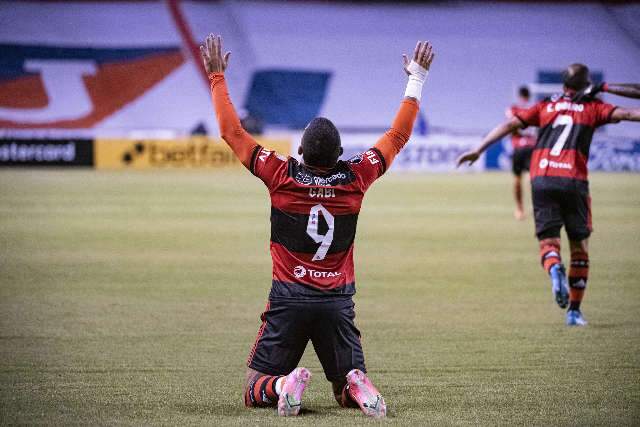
(191, 153)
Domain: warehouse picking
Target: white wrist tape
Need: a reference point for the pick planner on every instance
(417, 77)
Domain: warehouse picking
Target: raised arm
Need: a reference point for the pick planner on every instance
(496, 134)
(242, 144)
(628, 90)
(629, 114)
(397, 136)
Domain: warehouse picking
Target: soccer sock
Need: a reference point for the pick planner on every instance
(262, 392)
(550, 253)
(578, 276)
(278, 386)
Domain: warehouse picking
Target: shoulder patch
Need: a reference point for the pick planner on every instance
(264, 153)
(372, 156)
(355, 159)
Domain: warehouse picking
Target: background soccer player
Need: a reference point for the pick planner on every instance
(522, 143)
(559, 185)
(314, 211)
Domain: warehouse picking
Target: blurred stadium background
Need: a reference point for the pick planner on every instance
(132, 70)
(131, 294)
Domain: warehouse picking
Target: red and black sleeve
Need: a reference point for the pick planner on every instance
(604, 112)
(529, 116)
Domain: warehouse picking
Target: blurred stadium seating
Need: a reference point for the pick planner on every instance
(130, 68)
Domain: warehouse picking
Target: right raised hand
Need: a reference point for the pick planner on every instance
(422, 55)
(469, 156)
(212, 57)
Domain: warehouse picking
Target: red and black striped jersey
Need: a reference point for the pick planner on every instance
(313, 213)
(313, 222)
(565, 132)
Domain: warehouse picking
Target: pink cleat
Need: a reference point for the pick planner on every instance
(365, 394)
(290, 399)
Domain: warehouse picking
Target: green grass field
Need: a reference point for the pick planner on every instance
(133, 298)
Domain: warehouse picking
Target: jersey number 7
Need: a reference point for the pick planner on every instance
(312, 230)
(567, 122)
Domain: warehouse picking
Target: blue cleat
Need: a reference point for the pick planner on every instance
(574, 318)
(559, 285)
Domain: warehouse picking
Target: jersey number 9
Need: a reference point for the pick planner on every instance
(312, 230)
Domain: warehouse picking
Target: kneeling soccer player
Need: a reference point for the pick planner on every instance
(314, 211)
(559, 184)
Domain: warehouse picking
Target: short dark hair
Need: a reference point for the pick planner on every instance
(523, 91)
(321, 143)
(576, 77)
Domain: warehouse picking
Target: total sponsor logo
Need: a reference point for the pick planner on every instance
(544, 163)
(300, 272)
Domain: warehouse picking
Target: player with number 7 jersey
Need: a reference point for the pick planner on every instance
(566, 128)
(314, 212)
(558, 171)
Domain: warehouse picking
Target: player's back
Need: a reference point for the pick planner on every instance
(566, 128)
(314, 215)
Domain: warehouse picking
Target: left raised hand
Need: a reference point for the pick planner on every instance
(212, 57)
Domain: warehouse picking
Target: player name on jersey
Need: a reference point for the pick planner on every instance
(566, 130)
(322, 192)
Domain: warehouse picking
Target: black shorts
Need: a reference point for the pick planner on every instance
(521, 160)
(287, 327)
(554, 207)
